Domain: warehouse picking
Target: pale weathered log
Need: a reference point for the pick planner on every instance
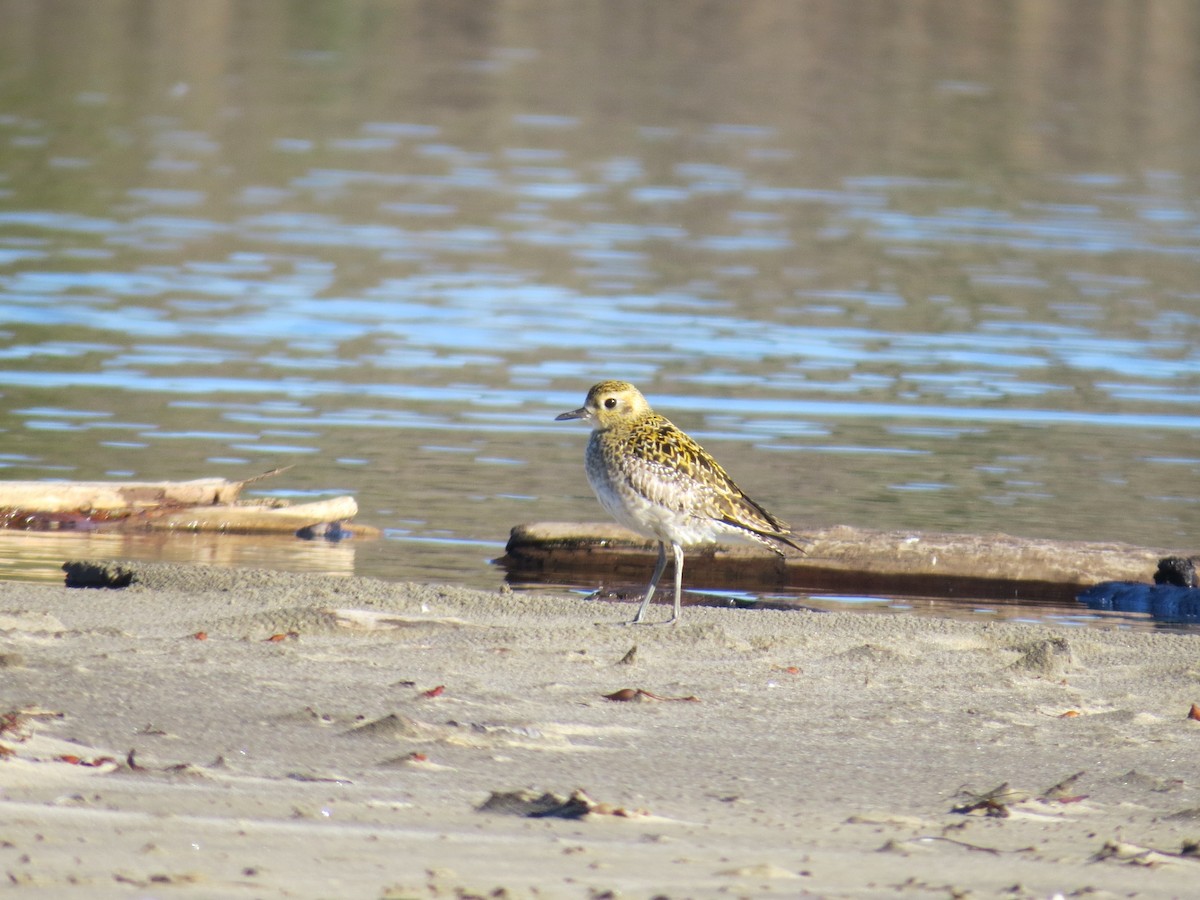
(203, 504)
(110, 496)
(249, 519)
(841, 558)
(89, 497)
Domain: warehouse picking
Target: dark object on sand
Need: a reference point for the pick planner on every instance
(91, 574)
(1174, 596)
(532, 805)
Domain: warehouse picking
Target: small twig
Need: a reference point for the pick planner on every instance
(968, 846)
(254, 478)
(626, 694)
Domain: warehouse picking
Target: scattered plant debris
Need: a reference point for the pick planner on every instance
(184, 768)
(994, 803)
(157, 879)
(532, 805)
(95, 762)
(1135, 855)
(1064, 791)
(313, 778)
(14, 724)
(998, 802)
(637, 694)
(895, 845)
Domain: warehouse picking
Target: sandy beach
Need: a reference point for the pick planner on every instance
(211, 732)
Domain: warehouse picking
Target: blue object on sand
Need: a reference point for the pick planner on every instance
(1174, 597)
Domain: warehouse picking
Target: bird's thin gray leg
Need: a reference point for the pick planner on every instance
(658, 570)
(678, 551)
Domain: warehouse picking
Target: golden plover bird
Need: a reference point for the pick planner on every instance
(657, 481)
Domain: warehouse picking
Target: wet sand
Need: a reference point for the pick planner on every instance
(305, 736)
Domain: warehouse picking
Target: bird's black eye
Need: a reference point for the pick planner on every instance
(610, 403)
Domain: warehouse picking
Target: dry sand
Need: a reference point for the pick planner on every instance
(822, 756)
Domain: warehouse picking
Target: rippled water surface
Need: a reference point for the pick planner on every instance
(932, 265)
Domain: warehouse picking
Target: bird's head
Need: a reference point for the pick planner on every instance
(609, 403)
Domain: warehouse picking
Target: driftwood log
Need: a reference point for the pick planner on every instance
(841, 559)
(203, 504)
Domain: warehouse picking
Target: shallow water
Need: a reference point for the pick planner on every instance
(924, 265)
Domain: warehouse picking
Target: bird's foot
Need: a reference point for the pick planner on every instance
(670, 621)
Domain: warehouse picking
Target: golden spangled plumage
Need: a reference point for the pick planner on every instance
(655, 479)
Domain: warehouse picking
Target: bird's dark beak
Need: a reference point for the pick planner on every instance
(580, 413)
